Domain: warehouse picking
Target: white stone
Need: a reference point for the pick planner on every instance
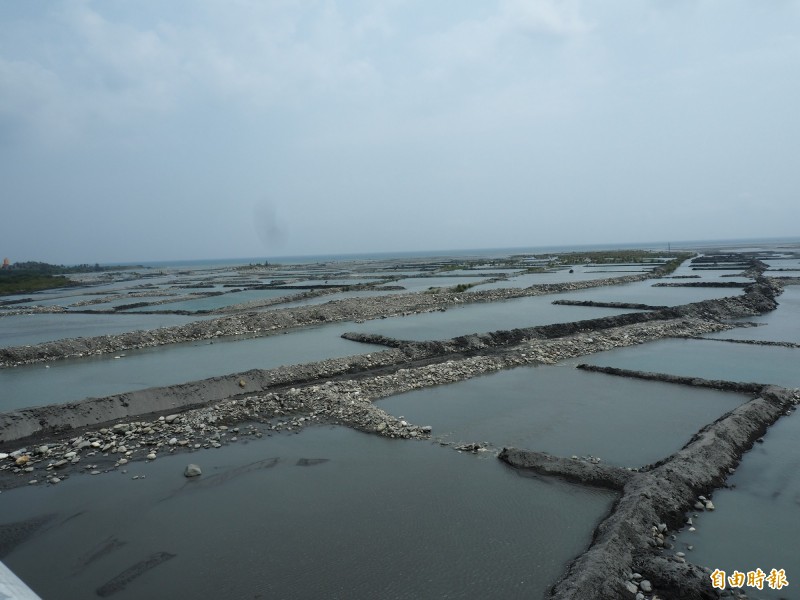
(192, 470)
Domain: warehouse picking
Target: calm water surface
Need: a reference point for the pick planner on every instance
(708, 359)
(214, 302)
(482, 317)
(380, 519)
(70, 380)
(757, 523)
(580, 273)
(565, 411)
(643, 292)
(780, 325)
(21, 330)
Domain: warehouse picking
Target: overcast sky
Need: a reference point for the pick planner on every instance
(147, 130)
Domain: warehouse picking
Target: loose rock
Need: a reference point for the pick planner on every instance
(192, 470)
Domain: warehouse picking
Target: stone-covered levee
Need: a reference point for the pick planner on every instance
(654, 500)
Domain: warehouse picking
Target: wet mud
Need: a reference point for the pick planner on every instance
(121, 581)
(14, 534)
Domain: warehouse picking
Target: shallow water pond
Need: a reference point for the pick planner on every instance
(644, 292)
(21, 330)
(69, 380)
(375, 518)
(564, 411)
(707, 359)
(779, 325)
(579, 273)
(221, 301)
(482, 317)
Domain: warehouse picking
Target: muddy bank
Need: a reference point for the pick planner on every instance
(705, 284)
(628, 305)
(716, 384)
(570, 469)
(750, 342)
(634, 538)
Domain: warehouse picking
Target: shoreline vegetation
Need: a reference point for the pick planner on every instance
(31, 276)
(26, 282)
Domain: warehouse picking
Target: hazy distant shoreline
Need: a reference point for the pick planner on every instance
(465, 253)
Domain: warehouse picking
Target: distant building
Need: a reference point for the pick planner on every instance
(6, 263)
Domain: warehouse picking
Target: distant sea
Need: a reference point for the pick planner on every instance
(487, 253)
